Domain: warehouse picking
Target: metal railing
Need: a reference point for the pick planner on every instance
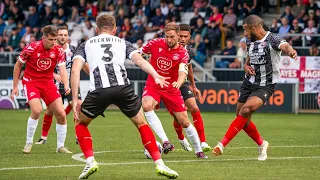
(216, 58)
(8, 58)
(303, 37)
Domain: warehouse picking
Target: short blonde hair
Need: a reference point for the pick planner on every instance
(106, 21)
(172, 26)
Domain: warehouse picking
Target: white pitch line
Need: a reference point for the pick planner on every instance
(150, 162)
(78, 157)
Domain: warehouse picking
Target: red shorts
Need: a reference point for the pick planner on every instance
(171, 98)
(46, 90)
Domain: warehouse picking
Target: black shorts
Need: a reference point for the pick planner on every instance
(122, 96)
(185, 91)
(69, 96)
(248, 90)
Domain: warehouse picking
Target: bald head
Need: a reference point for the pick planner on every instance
(253, 21)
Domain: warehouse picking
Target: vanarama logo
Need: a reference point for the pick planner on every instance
(230, 97)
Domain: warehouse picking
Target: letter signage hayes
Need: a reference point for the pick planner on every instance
(223, 97)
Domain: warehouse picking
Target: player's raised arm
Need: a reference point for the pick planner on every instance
(288, 49)
(63, 72)
(280, 44)
(78, 61)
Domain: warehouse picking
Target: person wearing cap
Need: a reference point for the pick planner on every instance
(229, 22)
(241, 54)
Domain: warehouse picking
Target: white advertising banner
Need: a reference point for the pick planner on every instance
(20, 101)
(305, 71)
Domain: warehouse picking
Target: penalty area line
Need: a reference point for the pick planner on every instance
(150, 162)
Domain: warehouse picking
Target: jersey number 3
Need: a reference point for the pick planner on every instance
(107, 51)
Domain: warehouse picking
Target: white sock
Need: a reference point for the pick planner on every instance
(44, 137)
(193, 137)
(61, 134)
(159, 162)
(156, 125)
(31, 129)
(90, 160)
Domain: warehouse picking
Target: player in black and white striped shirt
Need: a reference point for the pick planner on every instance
(109, 84)
(262, 74)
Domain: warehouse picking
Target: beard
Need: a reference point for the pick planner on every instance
(253, 37)
(172, 45)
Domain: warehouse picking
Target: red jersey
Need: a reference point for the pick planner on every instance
(40, 63)
(165, 60)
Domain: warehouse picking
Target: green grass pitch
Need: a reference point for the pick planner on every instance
(294, 151)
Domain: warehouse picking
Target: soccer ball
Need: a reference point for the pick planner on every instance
(159, 147)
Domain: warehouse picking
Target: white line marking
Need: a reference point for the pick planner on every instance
(150, 162)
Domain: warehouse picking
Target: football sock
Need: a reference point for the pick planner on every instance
(89, 160)
(178, 129)
(198, 124)
(234, 128)
(68, 109)
(61, 134)
(252, 131)
(47, 121)
(149, 142)
(84, 139)
(31, 129)
(193, 137)
(156, 125)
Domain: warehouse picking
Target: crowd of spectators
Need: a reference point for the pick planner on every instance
(21, 21)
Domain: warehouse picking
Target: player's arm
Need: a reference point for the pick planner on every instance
(288, 49)
(57, 77)
(63, 71)
(247, 68)
(183, 71)
(195, 90)
(86, 68)
(16, 73)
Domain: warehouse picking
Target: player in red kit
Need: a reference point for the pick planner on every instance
(41, 58)
(169, 59)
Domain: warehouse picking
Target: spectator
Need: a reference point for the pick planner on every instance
(241, 54)
(137, 32)
(2, 44)
(47, 18)
(174, 13)
(121, 5)
(41, 8)
(92, 11)
(32, 39)
(187, 5)
(126, 27)
(7, 30)
(146, 8)
(138, 44)
(140, 16)
(88, 30)
(310, 29)
(274, 26)
(154, 4)
(199, 48)
(55, 22)
(3, 14)
(219, 3)
(62, 18)
(200, 4)
(36, 33)
(287, 14)
(27, 35)
(158, 20)
(295, 29)
(229, 23)
(216, 16)
(312, 5)
(164, 8)
(193, 21)
(284, 28)
(229, 51)
(133, 11)
(200, 29)
(311, 16)
(314, 51)
(2, 26)
(120, 18)
(59, 4)
(14, 40)
(298, 10)
(78, 12)
(17, 15)
(22, 45)
(212, 37)
(21, 29)
(248, 7)
(33, 19)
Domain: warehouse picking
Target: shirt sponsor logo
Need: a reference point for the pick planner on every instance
(164, 64)
(43, 64)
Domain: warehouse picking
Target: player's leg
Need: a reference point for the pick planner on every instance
(69, 107)
(198, 122)
(130, 105)
(150, 100)
(183, 141)
(46, 124)
(33, 99)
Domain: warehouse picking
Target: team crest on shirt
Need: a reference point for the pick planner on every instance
(52, 55)
(263, 44)
(164, 64)
(43, 64)
(175, 56)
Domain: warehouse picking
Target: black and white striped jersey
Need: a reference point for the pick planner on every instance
(105, 55)
(264, 57)
(69, 52)
(190, 52)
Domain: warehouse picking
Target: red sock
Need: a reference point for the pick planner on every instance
(252, 131)
(234, 128)
(47, 121)
(178, 129)
(198, 124)
(84, 139)
(68, 109)
(149, 142)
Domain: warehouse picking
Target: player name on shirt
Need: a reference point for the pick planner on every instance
(105, 39)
